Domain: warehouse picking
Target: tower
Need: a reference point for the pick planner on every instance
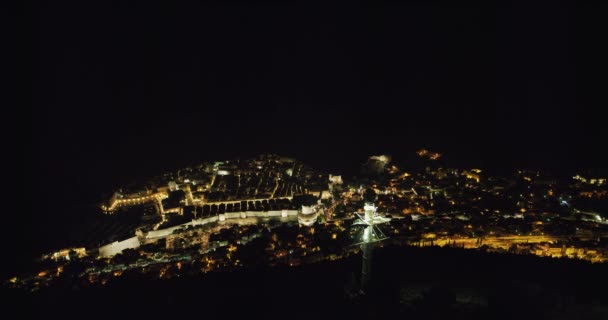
(307, 215)
(366, 237)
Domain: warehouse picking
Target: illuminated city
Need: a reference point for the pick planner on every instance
(307, 160)
(216, 215)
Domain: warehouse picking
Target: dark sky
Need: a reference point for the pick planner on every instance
(139, 86)
(124, 89)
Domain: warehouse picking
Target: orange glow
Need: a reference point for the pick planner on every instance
(59, 270)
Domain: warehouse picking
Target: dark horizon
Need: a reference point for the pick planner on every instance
(146, 86)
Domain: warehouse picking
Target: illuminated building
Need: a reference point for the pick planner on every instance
(307, 216)
(335, 179)
(376, 164)
(424, 153)
(473, 174)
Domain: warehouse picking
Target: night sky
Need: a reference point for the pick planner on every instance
(127, 89)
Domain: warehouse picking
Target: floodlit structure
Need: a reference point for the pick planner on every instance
(376, 164)
(335, 179)
(366, 237)
(307, 216)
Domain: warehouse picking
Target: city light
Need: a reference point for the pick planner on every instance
(440, 207)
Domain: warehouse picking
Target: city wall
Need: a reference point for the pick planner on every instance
(244, 216)
(118, 246)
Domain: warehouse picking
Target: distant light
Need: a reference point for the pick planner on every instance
(381, 158)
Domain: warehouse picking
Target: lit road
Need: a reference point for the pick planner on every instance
(503, 242)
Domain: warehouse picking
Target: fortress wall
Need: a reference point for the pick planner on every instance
(161, 233)
(232, 215)
(118, 246)
(260, 214)
(274, 213)
(243, 217)
(203, 221)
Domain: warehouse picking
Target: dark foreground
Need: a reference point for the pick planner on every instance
(408, 283)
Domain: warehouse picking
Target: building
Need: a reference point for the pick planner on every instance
(307, 216)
